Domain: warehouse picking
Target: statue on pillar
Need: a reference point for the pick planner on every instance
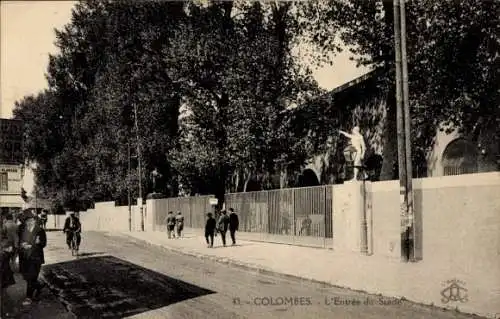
(155, 175)
(357, 141)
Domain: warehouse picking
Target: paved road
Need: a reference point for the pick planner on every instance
(121, 277)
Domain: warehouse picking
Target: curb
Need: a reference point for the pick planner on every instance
(266, 271)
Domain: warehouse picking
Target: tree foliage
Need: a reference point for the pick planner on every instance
(229, 65)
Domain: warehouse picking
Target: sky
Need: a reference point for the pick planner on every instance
(27, 37)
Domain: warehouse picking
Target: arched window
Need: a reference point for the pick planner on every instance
(459, 157)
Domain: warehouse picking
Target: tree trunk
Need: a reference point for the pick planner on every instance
(236, 178)
(390, 142)
(283, 178)
(247, 180)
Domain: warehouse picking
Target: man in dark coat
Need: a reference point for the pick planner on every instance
(170, 224)
(11, 229)
(43, 219)
(32, 241)
(234, 223)
(210, 227)
(7, 251)
(179, 221)
(222, 226)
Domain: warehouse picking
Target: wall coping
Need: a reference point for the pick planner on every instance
(465, 180)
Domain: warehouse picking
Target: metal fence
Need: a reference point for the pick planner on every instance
(300, 216)
(288, 215)
(194, 210)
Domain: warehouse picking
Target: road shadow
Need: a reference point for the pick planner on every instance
(109, 287)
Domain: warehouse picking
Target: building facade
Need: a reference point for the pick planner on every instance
(11, 165)
(10, 188)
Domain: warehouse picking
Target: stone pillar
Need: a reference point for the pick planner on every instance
(350, 203)
(150, 215)
(150, 210)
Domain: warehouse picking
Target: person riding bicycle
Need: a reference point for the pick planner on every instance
(72, 226)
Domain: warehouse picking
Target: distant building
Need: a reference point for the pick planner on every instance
(10, 188)
(11, 165)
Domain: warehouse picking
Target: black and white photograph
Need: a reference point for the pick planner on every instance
(199, 159)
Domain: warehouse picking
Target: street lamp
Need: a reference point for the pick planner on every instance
(350, 153)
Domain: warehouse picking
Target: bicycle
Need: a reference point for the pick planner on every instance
(74, 245)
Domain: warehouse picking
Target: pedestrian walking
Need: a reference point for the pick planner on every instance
(33, 240)
(179, 222)
(170, 224)
(234, 224)
(43, 219)
(222, 226)
(6, 273)
(7, 250)
(210, 227)
(12, 239)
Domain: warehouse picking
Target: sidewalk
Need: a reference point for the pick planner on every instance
(47, 307)
(313, 264)
(370, 274)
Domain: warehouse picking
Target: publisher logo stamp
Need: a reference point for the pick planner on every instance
(454, 291)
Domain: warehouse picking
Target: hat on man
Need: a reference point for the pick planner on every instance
(25, 215)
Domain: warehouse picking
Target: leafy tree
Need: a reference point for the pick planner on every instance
(237, 83)
(101, 71)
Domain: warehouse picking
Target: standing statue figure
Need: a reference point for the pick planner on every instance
(154, 176)
(358, 142)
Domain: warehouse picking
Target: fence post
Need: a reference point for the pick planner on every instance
(191, 212)
(325, 220)
(294, 223)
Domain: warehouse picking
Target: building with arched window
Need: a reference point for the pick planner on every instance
(364, 102)
(454, 154)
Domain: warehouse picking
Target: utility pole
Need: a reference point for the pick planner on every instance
(128, 190)
(407, 124)
(139, 167)
(403, 133)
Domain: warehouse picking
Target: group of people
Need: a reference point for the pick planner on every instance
(175, 225)
(224, 223)
(24, 239)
